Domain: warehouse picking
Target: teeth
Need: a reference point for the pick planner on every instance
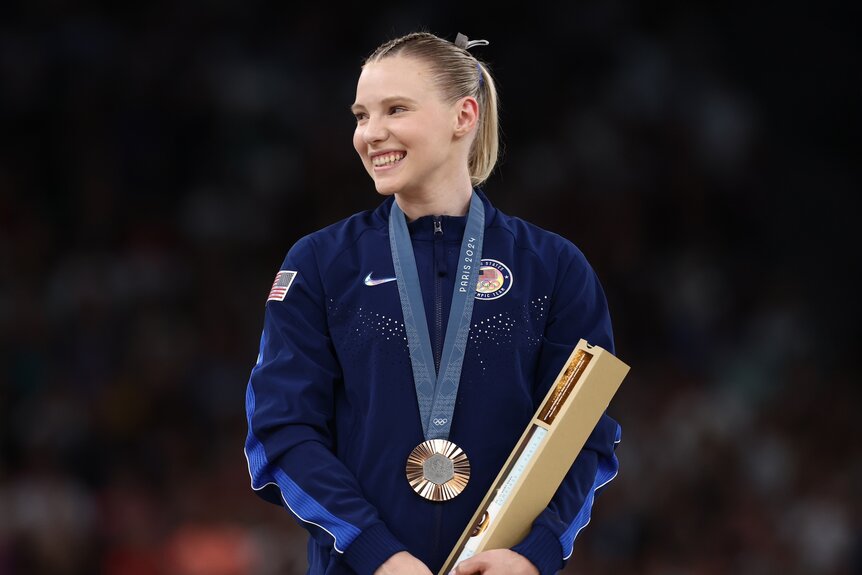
(387, 159)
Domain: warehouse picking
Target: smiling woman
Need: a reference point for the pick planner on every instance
(432, 97)
(400, 364)
(415, 144)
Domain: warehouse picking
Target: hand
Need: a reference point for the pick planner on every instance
(496, 562)
(403, 563)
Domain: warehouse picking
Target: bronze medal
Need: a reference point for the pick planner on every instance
(438, 470)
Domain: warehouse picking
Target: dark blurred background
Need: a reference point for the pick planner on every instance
(159, 159)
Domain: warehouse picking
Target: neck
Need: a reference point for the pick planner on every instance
(453, 203)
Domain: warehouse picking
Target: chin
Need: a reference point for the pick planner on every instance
(387, 188)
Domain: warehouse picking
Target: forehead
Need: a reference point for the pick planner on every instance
(396, 75)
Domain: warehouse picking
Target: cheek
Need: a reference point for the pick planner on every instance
(359, 142)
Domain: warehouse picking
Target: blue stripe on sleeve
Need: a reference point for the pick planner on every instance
(300, 503)
(605, 473)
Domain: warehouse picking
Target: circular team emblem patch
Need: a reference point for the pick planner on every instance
(495, 279)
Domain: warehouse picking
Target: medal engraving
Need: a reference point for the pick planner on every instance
(438, 470)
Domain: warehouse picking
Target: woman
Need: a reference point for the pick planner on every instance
(367, 407)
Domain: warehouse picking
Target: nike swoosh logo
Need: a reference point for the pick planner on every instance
(377, 282)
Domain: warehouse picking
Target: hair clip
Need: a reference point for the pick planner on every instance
(464, 43)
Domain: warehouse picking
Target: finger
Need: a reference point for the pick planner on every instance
(468, 567)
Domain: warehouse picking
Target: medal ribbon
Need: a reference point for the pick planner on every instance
(436, 392)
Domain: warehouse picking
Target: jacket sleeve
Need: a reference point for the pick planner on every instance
(289, 406)
(579, 310)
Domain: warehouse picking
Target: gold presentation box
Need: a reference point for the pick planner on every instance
(544, 454)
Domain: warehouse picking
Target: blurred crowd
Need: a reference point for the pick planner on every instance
(158, 161)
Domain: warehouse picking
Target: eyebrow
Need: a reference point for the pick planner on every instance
(385, 101)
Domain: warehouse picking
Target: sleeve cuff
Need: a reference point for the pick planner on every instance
(371, 549)
(542, 548)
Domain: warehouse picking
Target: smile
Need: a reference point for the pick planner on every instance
(385, 160)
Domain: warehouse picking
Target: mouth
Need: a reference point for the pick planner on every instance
(387, 160)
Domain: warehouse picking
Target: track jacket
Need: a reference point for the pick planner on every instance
(332, 410)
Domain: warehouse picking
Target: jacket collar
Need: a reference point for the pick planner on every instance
(423, 228)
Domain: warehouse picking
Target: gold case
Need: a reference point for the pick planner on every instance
(544, 454)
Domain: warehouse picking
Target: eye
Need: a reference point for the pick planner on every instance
(360, 116)
(397, 109)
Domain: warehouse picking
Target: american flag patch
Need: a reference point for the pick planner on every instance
(282, 282)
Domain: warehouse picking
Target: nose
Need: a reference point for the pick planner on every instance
(375, 131)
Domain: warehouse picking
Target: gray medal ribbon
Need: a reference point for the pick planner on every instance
(436, 392)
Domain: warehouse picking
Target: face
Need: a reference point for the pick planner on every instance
(408, 137)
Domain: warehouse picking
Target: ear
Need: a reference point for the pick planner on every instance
(467, 115)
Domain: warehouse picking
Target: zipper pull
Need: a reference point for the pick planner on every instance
(438, 226)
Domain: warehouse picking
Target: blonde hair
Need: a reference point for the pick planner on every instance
(457, 74)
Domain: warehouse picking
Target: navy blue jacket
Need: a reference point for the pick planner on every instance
(332, 410)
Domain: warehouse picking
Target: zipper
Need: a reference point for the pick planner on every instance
(438, 528)
(439, 271)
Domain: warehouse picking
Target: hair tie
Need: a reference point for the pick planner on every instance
(465, 44)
